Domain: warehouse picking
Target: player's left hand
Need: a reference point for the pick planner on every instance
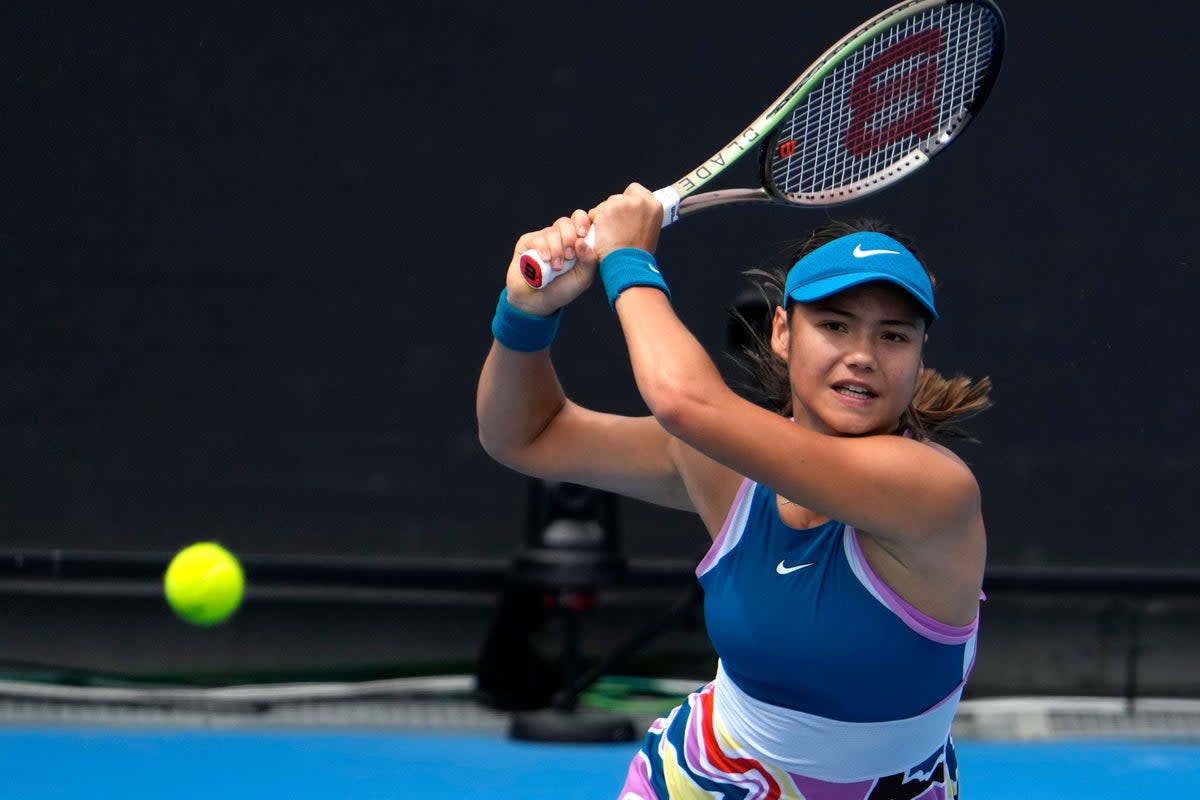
(630, 219)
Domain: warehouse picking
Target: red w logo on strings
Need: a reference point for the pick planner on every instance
(907, 100)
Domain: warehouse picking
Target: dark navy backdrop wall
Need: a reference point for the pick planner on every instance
(251, 256)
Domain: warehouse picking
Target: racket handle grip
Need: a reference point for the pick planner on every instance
(538, 274)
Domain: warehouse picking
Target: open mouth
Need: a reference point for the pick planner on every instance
(855, 392)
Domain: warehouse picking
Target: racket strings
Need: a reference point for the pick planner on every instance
(894, 99)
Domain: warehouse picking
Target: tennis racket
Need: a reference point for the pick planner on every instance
(876, 107)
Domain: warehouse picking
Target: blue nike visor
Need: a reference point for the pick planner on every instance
(854, 260)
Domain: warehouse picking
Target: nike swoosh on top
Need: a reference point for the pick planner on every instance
(782, 570)
(860, 253)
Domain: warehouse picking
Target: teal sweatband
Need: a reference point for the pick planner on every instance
(627, 267)
(521, 331)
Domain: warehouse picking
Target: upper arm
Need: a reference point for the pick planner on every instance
(630, 456)
(892, 486)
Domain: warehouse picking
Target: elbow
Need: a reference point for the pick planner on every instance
(489, 444)
(497, 440)
(501, 447)
(676, 409)
(504, 453)
(512, 442)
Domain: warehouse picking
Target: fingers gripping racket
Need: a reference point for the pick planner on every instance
(877, 106)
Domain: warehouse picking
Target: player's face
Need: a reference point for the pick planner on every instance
(853, 358)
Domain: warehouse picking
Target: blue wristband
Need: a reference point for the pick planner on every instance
(521, 331)
(627, 267)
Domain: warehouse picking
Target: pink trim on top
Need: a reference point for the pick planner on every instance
(919, 621)
(716, 550)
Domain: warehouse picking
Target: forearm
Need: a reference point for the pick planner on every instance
(674, 373)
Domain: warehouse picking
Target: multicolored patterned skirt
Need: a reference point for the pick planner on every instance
(687, 755)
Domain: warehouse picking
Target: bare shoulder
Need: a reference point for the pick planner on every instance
(939, 573)
(965, 539)
(946, 451)
(941, 503)
(954, 462)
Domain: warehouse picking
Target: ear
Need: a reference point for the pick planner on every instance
(780, 333)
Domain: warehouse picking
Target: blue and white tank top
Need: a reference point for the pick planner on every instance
(823, 667)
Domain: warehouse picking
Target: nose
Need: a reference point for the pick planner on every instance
(861, 355)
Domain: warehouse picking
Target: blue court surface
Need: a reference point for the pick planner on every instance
(138, 764)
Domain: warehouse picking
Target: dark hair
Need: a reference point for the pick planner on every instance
(939, 406)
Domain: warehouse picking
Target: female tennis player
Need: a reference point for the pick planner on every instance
(842, 586)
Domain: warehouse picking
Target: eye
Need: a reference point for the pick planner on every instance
(833, 325)
(894, 336)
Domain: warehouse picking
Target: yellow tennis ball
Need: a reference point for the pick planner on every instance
(204, 583)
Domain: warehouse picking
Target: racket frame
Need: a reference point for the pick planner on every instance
(767, 125)
(683, 197)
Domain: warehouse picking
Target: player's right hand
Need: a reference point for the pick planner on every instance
(555, 244)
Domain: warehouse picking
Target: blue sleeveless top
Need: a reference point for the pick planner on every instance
(801, 621)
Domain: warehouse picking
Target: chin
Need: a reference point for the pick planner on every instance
(849, 432)
(857, 427)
